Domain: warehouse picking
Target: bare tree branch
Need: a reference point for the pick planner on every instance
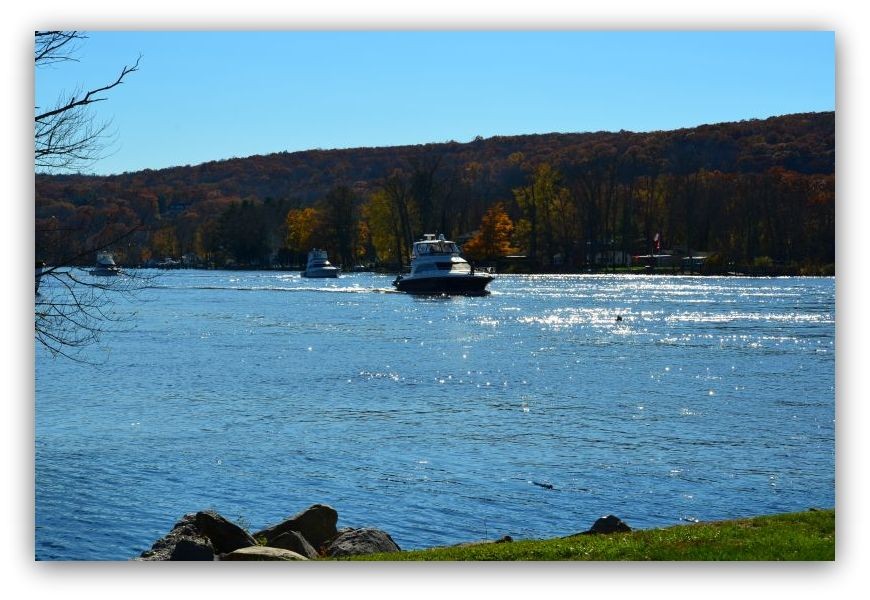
(89, 96)
(67, 136)
(76, 258)
(56, 46)
(73, 308)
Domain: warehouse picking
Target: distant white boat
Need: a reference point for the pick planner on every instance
(105, 266)
(319, 266)
(169, 263)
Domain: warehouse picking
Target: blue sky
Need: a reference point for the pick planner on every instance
(208, 95)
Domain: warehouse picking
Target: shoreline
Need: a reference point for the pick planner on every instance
(312, 535)
(821, 272)
(799, 536)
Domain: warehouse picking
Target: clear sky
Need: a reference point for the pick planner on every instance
(207, 95)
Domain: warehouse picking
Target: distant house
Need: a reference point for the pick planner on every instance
(693, 263)
(613, 258)
(655, 260)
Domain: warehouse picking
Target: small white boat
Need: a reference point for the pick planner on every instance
(437, 267)
(319, 266)
(105, 266)
(169, 263)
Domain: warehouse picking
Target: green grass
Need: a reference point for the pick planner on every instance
(794, 536)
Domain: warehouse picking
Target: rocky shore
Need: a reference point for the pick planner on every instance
(309, 535)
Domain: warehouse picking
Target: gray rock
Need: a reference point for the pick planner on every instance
(262, 553)
(293, 540)
(192, 549)
(225, 536)
(609, 524)
(361, 541)
(316, 524)
(194, 545)
(341, 531)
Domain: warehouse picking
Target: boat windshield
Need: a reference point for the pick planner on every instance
(438, 247)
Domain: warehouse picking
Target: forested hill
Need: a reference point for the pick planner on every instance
(619, 188)
(803, 143)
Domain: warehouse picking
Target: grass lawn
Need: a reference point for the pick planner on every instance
(795, 536)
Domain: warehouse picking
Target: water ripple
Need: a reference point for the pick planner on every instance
(259, 393)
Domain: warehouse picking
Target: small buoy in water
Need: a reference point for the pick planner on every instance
(619, 317)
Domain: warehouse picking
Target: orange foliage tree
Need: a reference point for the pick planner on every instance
(493, 239)
(302, 227)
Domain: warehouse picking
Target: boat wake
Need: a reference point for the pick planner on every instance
(234, 288)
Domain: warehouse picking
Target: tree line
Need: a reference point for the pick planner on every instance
(747, 193)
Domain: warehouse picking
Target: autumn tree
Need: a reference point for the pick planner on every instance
(340, 217)
(384, 231)
(397, 191)
(548, 214)
(742, 190)
(493, 239)
(392, 219)
(594, 186)
(301, 226)
(164, 243)
(433, 186)
(207, 240)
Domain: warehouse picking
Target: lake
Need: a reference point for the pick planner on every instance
(529, 412)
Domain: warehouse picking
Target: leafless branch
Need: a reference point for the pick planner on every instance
(73, 308)
(76, 258)
(67, 136)
(56, 46)
(88, 97)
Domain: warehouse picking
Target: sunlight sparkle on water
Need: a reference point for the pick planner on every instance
(414, 406)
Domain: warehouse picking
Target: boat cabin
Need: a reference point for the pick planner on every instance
(429, 246)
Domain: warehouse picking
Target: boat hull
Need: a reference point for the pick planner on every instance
(321, 273)
(465, 285)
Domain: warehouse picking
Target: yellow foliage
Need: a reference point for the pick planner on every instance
(301, 225)
(493, 239)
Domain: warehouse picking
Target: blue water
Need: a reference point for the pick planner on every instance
(439, 420)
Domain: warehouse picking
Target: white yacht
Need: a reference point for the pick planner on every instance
(105, 265)
(437, 267)
(319, 266)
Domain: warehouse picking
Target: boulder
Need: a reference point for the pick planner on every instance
(192, 549)
(316, 524)
(293, 540)
(609, 524)
(183, 542)
(361, 541)
(225, 536)
(262, 553)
